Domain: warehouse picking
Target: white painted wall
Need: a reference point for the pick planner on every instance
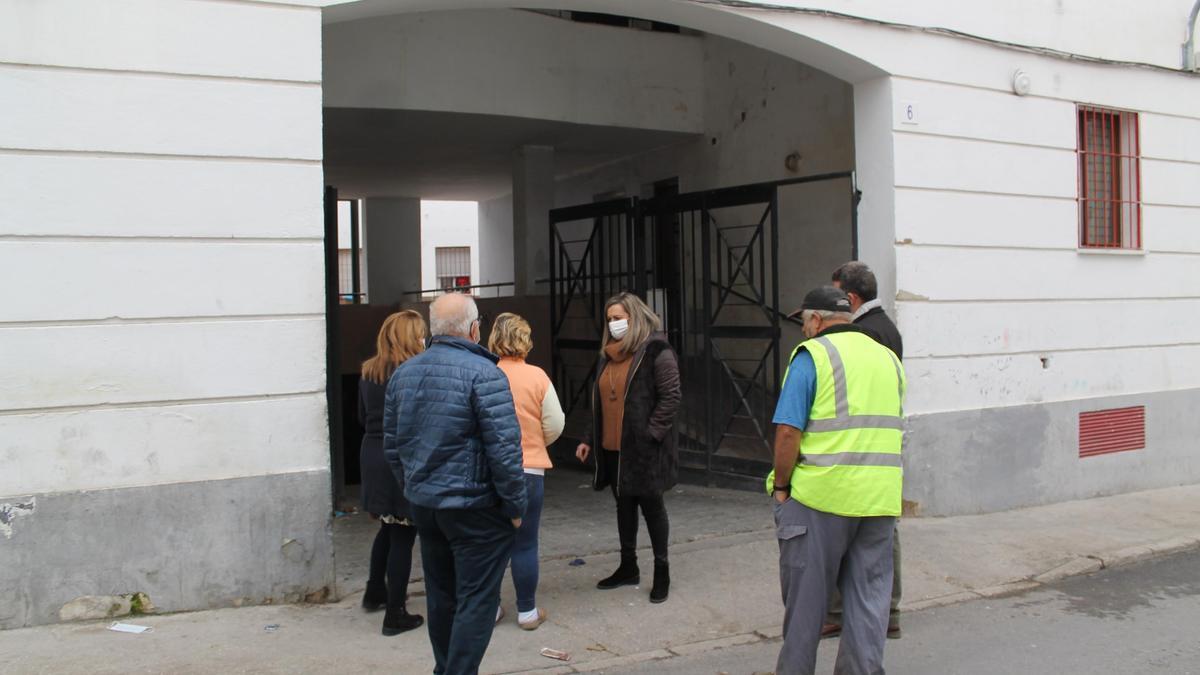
(496, 242)
(170, 170)
(161, 213)
(1122, 30)
(981, 192)
(758, 108)
(990, 277)
(517, 64)
(448, 224)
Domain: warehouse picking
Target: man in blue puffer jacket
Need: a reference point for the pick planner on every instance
(451, 436)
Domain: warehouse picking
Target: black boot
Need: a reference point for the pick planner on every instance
(397, 620)
(375, 597)
(626, 575)
(662, 582)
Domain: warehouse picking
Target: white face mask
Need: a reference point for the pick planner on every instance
(618, 328)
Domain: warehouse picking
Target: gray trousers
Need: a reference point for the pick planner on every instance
(813, 547)
(835, 598)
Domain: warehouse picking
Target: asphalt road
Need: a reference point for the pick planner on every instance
(1142, 619)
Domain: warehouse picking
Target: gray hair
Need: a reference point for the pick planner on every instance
(826, 314)
(452, 314)
(857, 278)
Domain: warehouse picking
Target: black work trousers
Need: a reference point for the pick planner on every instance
(653, 510)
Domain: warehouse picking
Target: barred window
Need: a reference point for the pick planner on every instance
(453, 265)
(1110, 181)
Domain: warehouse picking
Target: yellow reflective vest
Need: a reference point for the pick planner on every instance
(849, 461)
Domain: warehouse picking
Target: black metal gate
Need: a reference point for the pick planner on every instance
(708, 264)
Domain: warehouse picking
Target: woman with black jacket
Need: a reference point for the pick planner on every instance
(634, 401)
(401, 337)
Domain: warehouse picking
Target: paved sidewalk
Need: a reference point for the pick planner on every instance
(724, 593)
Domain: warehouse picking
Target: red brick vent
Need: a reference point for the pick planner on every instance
(1116, 430)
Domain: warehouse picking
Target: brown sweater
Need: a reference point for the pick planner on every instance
(612, 395)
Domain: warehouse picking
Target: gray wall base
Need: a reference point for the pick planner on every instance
(186, 545)
(981, 461)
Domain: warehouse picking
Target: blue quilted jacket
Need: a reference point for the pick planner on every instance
(450, 430)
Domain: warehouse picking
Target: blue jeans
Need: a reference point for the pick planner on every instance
(525, 550)
(464, 553)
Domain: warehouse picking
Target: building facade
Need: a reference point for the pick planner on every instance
(1028, 174)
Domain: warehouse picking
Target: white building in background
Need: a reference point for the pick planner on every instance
(1028, 174)
(450, 245)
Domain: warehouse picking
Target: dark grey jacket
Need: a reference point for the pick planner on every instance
(875, 322)
(381, 494)
(649, 459)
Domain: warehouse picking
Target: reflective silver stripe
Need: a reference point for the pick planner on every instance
(856, 422)
(841, 400)
(853, 459)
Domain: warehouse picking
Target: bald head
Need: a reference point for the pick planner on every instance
(454, 314)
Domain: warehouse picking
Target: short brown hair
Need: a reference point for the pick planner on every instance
(511, 336)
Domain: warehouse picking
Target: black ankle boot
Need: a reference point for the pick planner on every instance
(397, 620)
(662, 582)
(375, 597)
(626, 575)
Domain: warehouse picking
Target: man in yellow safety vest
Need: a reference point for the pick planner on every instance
(837, 484)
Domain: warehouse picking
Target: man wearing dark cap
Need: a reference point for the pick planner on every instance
(837, 484)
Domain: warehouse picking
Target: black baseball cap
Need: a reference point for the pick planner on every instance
(827, 298)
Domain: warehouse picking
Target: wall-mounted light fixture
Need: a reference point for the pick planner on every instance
(1021, 82)
(792, 162)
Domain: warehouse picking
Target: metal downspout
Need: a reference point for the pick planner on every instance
(1189, 47)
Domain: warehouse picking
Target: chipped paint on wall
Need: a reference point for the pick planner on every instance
(13, 510)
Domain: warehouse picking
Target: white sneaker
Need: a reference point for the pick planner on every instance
(535, 622)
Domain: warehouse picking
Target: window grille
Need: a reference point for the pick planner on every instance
(1110, 181)
(453, 265)
(346, 274)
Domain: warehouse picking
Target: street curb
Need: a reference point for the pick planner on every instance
(719, 643)
(1078, 566)
(1005, 590)
(1075, 567)
(1071, 568)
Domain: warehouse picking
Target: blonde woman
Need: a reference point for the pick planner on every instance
(541, 419)
(634, 401)
(401, 337)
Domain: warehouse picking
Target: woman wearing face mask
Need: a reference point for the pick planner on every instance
(634, 401)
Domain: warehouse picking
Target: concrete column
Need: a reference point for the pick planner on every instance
(875, 165)
(533, 197)
(392, 242)
(496, 243)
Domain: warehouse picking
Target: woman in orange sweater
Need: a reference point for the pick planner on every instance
(541, 419)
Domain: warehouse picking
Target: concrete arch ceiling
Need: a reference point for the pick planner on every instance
(710, 16)
(386, 151)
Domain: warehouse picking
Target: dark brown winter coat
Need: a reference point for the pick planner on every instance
(649, 458)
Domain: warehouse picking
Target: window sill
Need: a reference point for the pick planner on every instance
(1111, 251)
